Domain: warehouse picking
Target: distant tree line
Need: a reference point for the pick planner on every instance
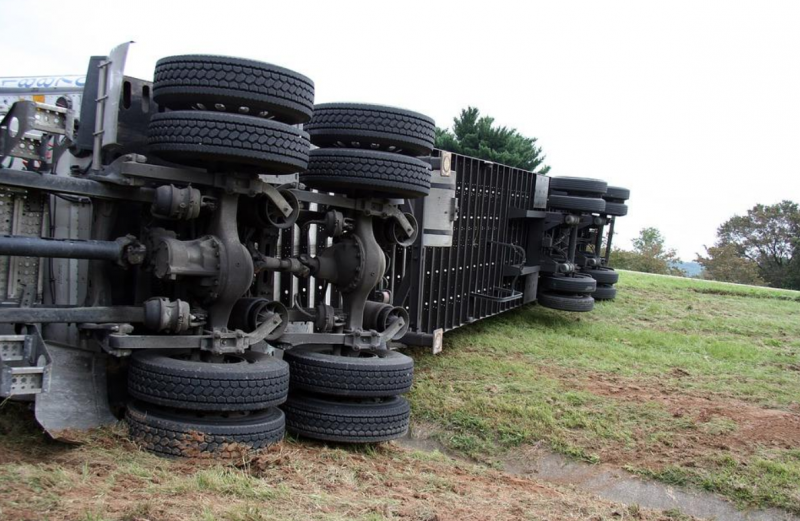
(649, 255)
(761, 247)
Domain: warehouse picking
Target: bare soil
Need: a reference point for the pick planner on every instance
(106, 476)
(747, 427)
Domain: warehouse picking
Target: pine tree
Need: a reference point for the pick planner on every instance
(477, 136)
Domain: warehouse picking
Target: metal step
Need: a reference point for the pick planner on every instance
(69, 384)
(23, 365)
(21, 380)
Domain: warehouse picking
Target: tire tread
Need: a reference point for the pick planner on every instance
(350, 122)
(351, 170)
(581, 204)
(178, 79)
(552, 300)
(322, 374)
(195, 136)
(337, 423)
(171, 438)
(264, 386)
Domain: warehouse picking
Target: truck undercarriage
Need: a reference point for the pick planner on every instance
(218, 259)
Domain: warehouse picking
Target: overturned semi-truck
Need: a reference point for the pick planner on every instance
(216, 259)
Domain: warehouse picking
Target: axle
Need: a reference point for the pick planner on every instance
(125, 250)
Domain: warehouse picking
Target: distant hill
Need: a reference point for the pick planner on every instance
(692, 269)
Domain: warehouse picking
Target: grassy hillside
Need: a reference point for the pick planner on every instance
(688, 381)
(107, 478)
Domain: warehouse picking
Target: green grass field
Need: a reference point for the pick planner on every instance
(690, 382)
(687, 382)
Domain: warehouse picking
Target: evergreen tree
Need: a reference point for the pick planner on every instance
(477, 136)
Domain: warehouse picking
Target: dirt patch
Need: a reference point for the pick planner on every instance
(433, 490)
(107, 475)
(753, 425)
(714, 421)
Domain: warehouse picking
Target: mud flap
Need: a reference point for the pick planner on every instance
(75, 396)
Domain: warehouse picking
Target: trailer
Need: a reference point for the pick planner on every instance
(216, 259)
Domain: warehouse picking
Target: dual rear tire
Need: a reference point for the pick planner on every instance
(567, 292)
(577, 194)
(189, 408)
(231, 114)
(348, 399)
(371, 127)
(605, 292)
(579, 292)
(606, 279)
(615, 197)
(368, 151)
(357, 172)
(185, 407)
(221, 140)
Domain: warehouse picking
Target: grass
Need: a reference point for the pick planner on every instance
(675, 379)
(107, 478)
(688, 382)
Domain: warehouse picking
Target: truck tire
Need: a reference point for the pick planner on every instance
(367, 172)
(579, 185)
(602, 275)
(617, 193)
(616, 209)
(580, 204)
(577, 284)
(233, 85)
(605, 292)
(245, 382)
(184, 434)
(197, 138)
(371, 127)
(347, 421)
(577, 303)
(385, 373)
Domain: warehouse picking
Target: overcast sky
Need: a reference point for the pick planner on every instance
(694, 106)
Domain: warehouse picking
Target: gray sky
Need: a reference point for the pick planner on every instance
(693, 105)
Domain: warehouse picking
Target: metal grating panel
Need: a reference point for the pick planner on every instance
(467, 282)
